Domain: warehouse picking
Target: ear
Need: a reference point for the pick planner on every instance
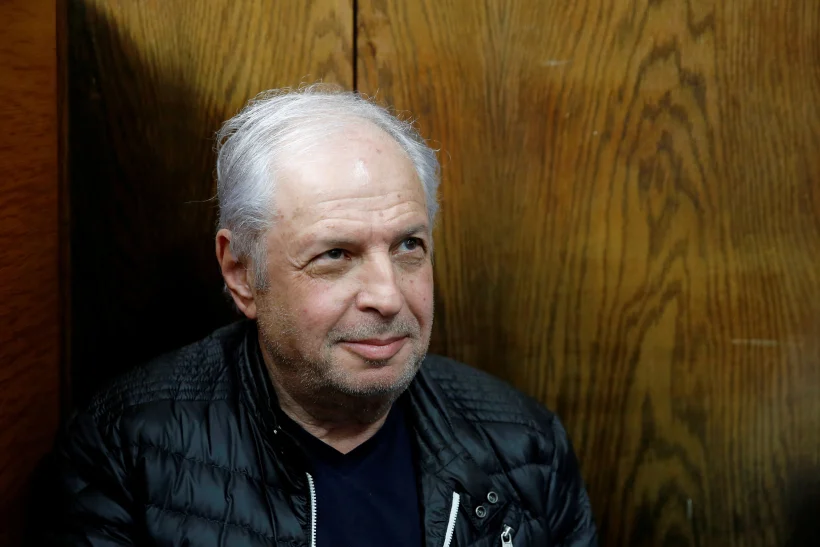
(236, 275)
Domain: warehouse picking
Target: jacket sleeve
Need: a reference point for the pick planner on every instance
(80, 497)
(571, 519)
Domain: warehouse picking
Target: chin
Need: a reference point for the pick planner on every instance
(372, 378)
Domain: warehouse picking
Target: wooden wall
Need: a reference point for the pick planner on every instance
(630, 232)
(630, 218)
(30, 334)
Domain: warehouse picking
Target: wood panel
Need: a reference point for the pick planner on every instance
(630, 232)
(151, 82)
(29, 250)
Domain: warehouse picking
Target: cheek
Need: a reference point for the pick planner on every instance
(419, 294)
(320, 307)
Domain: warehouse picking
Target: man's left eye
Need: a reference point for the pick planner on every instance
(411, 244)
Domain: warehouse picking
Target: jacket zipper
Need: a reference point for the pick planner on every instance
(312, 488)
(506, 537)
(451, 524)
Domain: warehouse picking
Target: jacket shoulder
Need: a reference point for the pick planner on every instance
(519, 443)
(484, 399)
(197, 372)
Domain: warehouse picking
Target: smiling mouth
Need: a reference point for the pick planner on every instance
(375, 349)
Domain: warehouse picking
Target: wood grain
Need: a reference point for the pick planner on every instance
(630, 230)
(151, 82)
(29, 255)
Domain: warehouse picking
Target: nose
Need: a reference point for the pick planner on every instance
(380, 291)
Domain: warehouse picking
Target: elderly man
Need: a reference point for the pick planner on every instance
(318, 420)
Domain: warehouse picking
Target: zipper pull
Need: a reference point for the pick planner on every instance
(506, 537)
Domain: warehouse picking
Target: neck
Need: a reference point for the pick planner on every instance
(341, 420)
(342, 426)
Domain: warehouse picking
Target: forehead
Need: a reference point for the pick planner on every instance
(356, 171)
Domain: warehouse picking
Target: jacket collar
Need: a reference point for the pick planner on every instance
(257, 390)
(439, 434)
(445, 443)
(259, 397)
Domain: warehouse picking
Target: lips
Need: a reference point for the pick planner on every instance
(375, 349)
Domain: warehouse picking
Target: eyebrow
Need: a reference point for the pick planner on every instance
(413, 230)
(344, 242)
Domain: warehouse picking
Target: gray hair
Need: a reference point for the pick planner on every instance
(251, 145)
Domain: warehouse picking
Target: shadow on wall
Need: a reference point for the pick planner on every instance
(144, 276)
(805, 512)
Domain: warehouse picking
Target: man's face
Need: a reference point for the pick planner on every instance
(348, 306)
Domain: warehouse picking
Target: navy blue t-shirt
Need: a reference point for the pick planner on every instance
(368, 496)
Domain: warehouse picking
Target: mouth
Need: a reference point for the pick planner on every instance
(375, 349)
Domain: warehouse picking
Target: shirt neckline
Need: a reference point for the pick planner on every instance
(320, 452)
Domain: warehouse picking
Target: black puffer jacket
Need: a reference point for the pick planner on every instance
(186, 451)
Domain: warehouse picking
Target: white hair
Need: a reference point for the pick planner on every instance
(251, 147)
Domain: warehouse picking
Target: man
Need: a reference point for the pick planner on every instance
(318, 420)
